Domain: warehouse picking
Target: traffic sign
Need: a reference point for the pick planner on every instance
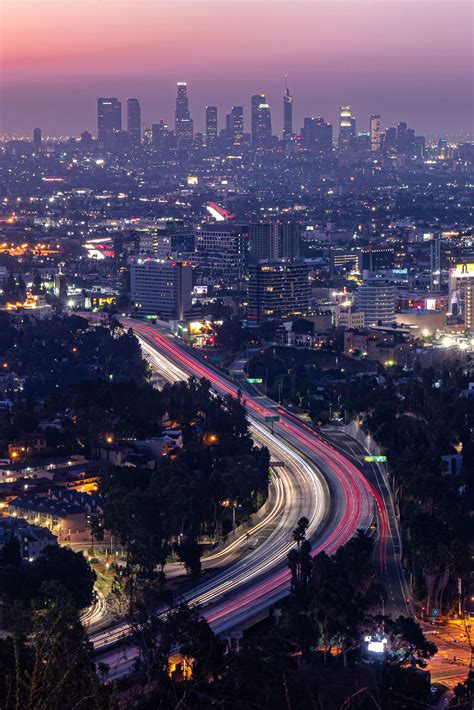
(435, 612)
(255, 380)
(376, 459)
(272, 418)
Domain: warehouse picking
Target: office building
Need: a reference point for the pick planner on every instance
(183, 122)
(277, 290)
(375, 132)
(263, 136)
(287, 114)
(376, 299)
(162, 289)
(347, 128)
(86, 140)
(269, 241)
(390, 140)
(211, 126)
(461, 293)
(263, 241)
(109, 122)
(162, 138)
(289, 239)
(37, 139)
(317, 134)
(225, 246)
(237, 125)
(401, 136)
(134, 122)
(256, 100)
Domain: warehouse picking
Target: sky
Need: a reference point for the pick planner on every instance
(408, 60)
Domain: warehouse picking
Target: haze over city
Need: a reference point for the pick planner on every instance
(393, 57)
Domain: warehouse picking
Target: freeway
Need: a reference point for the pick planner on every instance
(317, 481)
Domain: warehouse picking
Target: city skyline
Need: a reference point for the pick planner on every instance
(381, 47)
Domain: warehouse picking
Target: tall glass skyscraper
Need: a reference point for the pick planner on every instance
(183, 121)
(347, 128)
(256, 100)
(287, 114)
(375, 132)
(109, 121)
(134, 121)
(237, 125)
(211, 126)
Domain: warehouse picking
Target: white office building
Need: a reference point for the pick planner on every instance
(162, 289)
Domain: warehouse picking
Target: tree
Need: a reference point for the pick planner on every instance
(299, 559)
(408, 642)
(11, 553)
(231, 335)
(68, 568)
(53, 667)
(189, 552)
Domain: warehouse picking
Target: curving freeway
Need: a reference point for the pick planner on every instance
(317, 481)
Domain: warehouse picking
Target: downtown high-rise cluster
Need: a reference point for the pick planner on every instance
(316, 134)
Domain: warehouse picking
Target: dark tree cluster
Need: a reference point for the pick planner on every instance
(219, 477)
(416, 420)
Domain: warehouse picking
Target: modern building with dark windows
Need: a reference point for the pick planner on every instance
(237, 125)
(223, 247)
(255, 102)
(183, 122)
(134, 122)
(277, 289)
(211, 126)
(109, 121)
(161, 289)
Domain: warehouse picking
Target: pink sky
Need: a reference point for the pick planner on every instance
(407, 59)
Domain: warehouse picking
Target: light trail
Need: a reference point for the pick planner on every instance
(262, 577)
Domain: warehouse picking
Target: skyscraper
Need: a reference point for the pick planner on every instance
(109, 121)
(256, 100)
(237, 125)
(134, 121)
(375, 132)
(263, 134)
(347, 128)
(263, 241)
(183, 121)
(287, 114)
(278, 239)
(401, 136)
(317, 134)
(37, 140)
(211, 126)
(278, 289)
(162, 288)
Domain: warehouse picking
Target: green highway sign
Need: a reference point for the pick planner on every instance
(255, 380)
(376, 459)
(272, 418)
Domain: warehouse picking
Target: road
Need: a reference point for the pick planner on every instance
(317, 481)
(388, 546)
